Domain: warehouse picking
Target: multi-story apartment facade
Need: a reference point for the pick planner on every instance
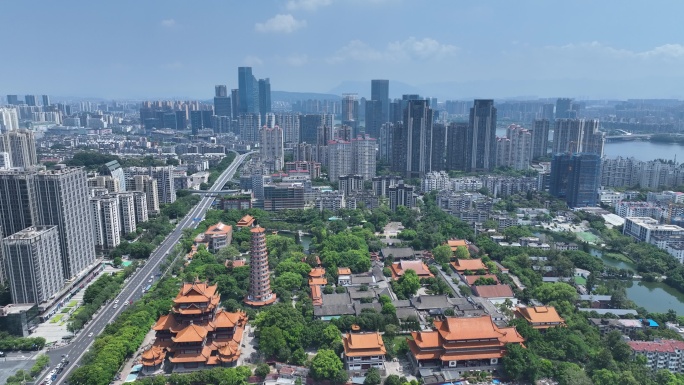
(33, 263)
(340, 160)
(105, 210)
(272, 148)
(661, 354)
(364, 156)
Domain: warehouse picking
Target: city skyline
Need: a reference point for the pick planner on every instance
(499, 50)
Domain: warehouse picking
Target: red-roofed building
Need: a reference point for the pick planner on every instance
(363, 351)
(462, 344)
(316, 281)
(419, 267)
(195, 334)
(471, 279)
(462, 265)
(540, 317)
(663, 354)
(246, 221)
(218, 236)
(495, 293)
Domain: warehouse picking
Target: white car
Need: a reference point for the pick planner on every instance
(89, 335)
(116, 301)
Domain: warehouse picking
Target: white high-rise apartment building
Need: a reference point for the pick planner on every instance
(140, 203)
(340, 161)
(289, 123)
(22, 148)
(272, 148)
(127, 213)
(364, 149)
(33, 264)
(148, 185)
(166, 191)
(9, 119)
(62, 200)
(105, 210)
(521, 147)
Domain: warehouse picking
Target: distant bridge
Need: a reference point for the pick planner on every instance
(215, 193)
(616, 138)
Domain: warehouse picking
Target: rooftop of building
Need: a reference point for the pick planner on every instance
(462, 265)
(493, 291)
(661, 346)
(246, 221)
(540, 314)
(29, 232)
(653, 224)
(363, 344)
(399, 268)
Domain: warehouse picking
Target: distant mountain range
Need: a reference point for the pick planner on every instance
(581, 88)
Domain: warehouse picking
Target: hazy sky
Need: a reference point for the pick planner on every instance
(444, 48)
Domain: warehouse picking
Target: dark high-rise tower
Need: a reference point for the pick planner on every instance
(46, 100)
(418, 127)
(438, 162)
(13, 99)
(540, 138)
(380, 92)
(221, 91)
(456, 143)
(234, 103)
(481, 144)
(30, 100)
(577, 178)
(564, 109)
(264, 98)
(374, 119)
(222, 102)
(248, 91)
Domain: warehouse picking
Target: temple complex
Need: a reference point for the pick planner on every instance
(196, 334)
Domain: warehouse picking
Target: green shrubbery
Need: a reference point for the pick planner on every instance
(9, 342)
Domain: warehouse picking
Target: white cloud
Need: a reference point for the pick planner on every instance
(297, 60)
(253, 61)
(280, 23)
(666, 50)
(307, 5)
(423, 48)
(168, 23)
(597, 48)
(410, 48)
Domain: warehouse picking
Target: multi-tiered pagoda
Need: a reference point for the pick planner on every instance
(260, 293)
(196, 334)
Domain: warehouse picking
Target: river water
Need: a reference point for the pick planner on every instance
(644, 151)
(656, 297)
(641, 150)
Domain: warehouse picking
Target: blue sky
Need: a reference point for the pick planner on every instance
(442, 48)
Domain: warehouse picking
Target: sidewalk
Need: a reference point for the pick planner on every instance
(53, 331)
(128, 365)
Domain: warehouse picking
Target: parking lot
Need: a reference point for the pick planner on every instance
(8, 366)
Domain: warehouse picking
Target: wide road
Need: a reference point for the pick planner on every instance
(133, 287)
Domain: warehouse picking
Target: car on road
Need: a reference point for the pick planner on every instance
(90, 334)
(116, 301)
(116, 306)
(2, 354)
